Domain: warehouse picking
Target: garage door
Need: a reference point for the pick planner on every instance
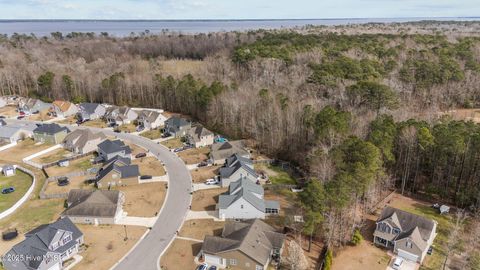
(210, 259)
(407, 255)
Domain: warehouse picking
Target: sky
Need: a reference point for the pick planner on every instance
(235, 9)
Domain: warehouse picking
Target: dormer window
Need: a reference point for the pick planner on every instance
(408, 244)
(396, 231)
(67, 239)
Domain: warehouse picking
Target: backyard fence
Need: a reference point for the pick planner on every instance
(75, 157)
(64, 195)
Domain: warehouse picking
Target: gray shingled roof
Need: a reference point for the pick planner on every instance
(176, 122)
(227, 149)
(92, 203)
(148, 115)
(109, 146)
(246, 189)
(89, 108)
(38, 240)
(234, 163)
(50, 129)
(254, 238)
(80, 137)
(198, 132)
(125, 171)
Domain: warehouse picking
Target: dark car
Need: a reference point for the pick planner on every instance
(140, 155)
(145, 177)
(202, 164)
(63, 181)
(2, 117)
(20, 117)
(430, 250)
(213, 267)
(166, 135)
(9, 234)
(8, 190)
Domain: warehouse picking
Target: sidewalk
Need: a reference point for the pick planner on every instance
(137, 221)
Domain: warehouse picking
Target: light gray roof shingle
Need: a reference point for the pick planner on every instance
(226, 149)
(110, 147)
(92, 203)
(50, 129)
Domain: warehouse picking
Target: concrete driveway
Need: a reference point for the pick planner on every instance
(406, 265)
(146, 254)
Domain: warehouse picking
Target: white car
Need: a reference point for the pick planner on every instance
(211, 182)
(397, 263)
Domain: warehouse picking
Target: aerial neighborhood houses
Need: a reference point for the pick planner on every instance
(223, 150)
(237, 167)
(90, 111)
(12, 133)
(117, 172)
(45, 247)
(50, 133)
(32, 105)
(94, 206)
(117, 116)
(109, 149)
(150, 119)
(198, 136)
(409, 236)
(63, 109)
(82, 141)
(8, 170)
(250, 245)
(177, 127)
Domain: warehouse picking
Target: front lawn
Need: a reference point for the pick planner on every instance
(143, 200)
(149, 166)
(173, 143)
(194, 155)
(152, 134)
(97, 123)
(20, 181)
(128, 128)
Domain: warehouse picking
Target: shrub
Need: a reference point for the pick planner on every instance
(328, 260)
(357, 238)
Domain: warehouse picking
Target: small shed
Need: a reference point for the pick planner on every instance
(64, 163)
(8, 170)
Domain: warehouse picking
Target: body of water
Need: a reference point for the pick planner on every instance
(125, 28)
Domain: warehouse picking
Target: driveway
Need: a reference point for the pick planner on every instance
(146, 254)
(406, 265)
(203, 215)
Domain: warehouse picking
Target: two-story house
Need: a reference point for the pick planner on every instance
(90, 111)
(177, 127)
(237, 167)
(45, 247)
(82, 141)
(61, 108)
(244, 200)
(249, 245)
(117, 116)
(148, 119)
(109, 149)
(221, 151)
(408, 235)
(199, 136)
(50, 133)
(117, 172)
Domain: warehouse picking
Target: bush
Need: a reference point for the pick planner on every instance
(357, 237)
(328, 260)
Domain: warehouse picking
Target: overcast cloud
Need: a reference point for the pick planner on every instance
(235, 9)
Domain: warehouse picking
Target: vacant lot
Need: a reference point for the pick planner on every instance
(8, 111)
(180, 255)
(201, 174)
(149, 166)
(20, 181)
(205, 200)
(152, 134)
(23, 149)
(194, 155)
(143, 200)
(98, 123)
(105, 245)
(53, 156)
(81, 164)
(199, 228)
(363, 256)
(173, 143)
(77, 182)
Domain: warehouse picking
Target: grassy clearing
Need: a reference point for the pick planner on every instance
(20, 181)
(194, 155)
(277, 175)
(81, 164)
(152, 134)
(180, 255)
(173, 143)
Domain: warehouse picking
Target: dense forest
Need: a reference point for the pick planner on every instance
(360, 108)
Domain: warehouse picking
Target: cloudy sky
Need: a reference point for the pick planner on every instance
(234, 9)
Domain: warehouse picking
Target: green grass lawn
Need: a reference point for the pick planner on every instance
(173, 143)
(277, 175)
(20, 181)
(445, 224)
(128, 128)
(152, 134)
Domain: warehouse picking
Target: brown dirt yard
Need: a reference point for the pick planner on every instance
(23, 149)
(53, 156)
(98, 123)
(206, 200)
(143, 200)
(107, 240)
(69, 120)
(41, 116)
(363, 256)
(201, 174)
(8, 111)
(135, 148)
(149, 166)
(75, 183)
(180, 255)
(173, 143)
(80, 164)
(199, 228)
(194, 155)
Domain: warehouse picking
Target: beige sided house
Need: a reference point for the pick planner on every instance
(408, 235)
(199, 136)
(50, 133)
(61, 108)
(94, 206)
(82, 141)
(249, 245)
(221, 151)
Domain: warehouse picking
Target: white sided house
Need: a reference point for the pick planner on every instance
(148, 119)
(237, 167)
(408, 235)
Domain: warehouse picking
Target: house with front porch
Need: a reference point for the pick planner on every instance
(408, 235)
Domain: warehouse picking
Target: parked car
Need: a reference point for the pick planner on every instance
(202, 164)
(166, 135)
(176, 150)
(211, 182)
(8, 190)
(146, 177)
(203, 266)
(140, 155)
(213, 267)
(63, 181)
(9, 234)
(20, 117)
(430, 250)
(397, 263)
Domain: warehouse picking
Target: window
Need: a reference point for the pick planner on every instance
(233, 261)
(396, 231)
(67, 239)
(241, 206)
(271, 211)
(408, 244)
